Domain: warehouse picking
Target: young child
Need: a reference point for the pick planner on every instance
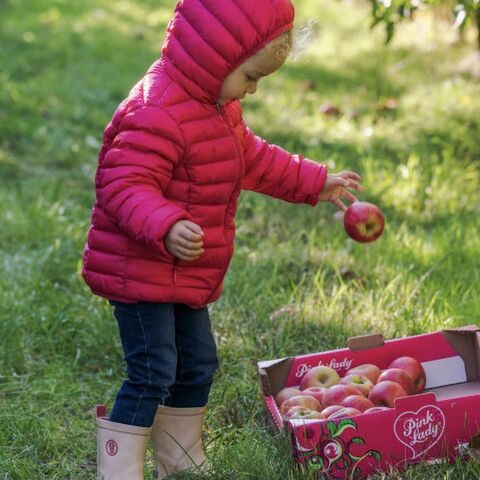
(174, 160)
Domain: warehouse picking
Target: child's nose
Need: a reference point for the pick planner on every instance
(252, 88)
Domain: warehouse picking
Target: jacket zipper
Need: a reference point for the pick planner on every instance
(174, 272)
(221, 111)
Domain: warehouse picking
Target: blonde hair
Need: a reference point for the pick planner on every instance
(305, 37)
(281, 45)
(294, 42)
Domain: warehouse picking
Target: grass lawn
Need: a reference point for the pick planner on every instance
(65, 67)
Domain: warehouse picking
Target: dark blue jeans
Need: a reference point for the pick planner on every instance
(171, 356)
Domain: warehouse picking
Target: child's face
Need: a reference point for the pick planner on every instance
(245, 77)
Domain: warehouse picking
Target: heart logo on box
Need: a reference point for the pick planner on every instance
(420, 430)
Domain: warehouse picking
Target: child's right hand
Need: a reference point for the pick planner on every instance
(336, 186)
(184, 240)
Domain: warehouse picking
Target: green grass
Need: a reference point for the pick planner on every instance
(65, 67)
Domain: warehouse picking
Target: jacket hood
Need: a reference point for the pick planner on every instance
(207, 39)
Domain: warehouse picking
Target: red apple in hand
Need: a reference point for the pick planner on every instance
(302, 400)
(368, 370)
(334, 395)
(360, 382)
(285, 393)
(414, 368)
(321, 376)
(363, 222)
(399, 376)
(357, 401)
(384, 393)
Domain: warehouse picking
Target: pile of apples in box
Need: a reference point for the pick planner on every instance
(323, 394)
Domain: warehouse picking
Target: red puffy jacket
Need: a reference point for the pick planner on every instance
(171, 153)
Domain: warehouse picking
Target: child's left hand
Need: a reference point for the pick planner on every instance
(336, 185)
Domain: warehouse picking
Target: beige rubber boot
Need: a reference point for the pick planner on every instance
(120, 449)
(177, 440)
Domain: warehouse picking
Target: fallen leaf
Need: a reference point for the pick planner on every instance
(329, 110)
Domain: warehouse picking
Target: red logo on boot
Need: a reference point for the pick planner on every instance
(111, 447)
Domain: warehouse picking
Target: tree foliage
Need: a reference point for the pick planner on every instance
(391, 12)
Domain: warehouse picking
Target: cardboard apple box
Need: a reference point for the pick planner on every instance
(442, 422)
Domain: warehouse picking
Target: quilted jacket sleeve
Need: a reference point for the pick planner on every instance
(135, 173)
(273, 171)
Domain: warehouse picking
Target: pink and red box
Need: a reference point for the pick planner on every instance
(443, 422)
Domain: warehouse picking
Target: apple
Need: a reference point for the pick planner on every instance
(302, 412)
(315, 392)
(326, 412)
(363, 221)
(384, 393)
(302, 400)
(343, 413)
(376, 409)
(368, 370)
(357, 401)
(285, 393)
(414, 368)
(362, 383)
(399, 376)
(334, 395)
(321, 376)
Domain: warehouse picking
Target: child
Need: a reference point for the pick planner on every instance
(174, 160)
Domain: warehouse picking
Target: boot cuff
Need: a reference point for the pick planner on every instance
(183, 412)
(106, 424)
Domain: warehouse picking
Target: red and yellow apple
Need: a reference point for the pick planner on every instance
(376, 409)
(368, 370)
(363, 221)
(399, 376)
(384, 393)
(285, 393)
(343, 413)
(360, 382)
(326, 412)
(334, 395)
(302, 412)
(414, 368)
(320, 376)
(358, 402)
(315, 392)
(303, 400)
